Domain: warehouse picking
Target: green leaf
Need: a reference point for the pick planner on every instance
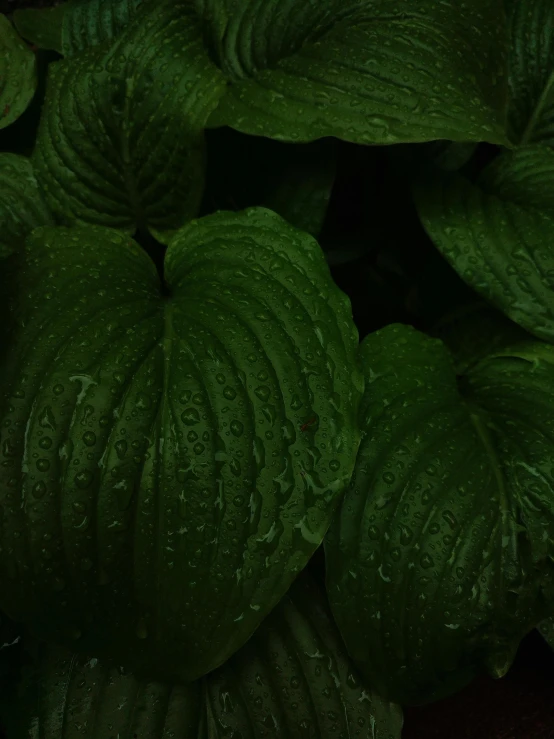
(21, 205)
(18, 74)
(439, 561)
(68, 692)
(42, 26)
(546, 630)
(120, 141)
(531, 71)
(172, 462)
(367, 72)
(496, 233)
(90, 22)
(294, 678)
(302, 195)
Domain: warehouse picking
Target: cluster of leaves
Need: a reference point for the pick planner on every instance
(221, 514)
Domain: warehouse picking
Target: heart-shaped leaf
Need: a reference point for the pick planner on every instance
(171, 464)
(120, 141)
(496, 233)
(531, 71)
(18, 74)
(364, 71)
(21, 205)
(439, 561)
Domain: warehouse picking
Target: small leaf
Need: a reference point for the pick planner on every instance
(439, 561)
(120, 141)
(496, 233)
(294, 678)
(302, 194)
(21, 205)
(546, 630)
(367, 72)
(531, 71)
(18, 74)
(178, 458)
(42, 26)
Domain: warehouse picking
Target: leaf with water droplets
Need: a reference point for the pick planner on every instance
(169, 465)
(90, 22)
(294, 678)
(440, 559)
(61, 693)
(42, 26)
(22, 207)
(496, 232)
(18, 74)
(367, 72)
(120, 141)
(531, 71)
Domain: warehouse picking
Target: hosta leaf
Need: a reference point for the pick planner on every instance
(546, 630)
(70, 696)
(89, 22)
(18, 75)
(120, 141)
(293, 678)
(496, 233)
(302, 195)
(42, 26)
(172, 463)
(21, 205)
(364, 70)
(531, 70)
(440, 559)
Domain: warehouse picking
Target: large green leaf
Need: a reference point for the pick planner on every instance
(531, 70)
(75, 25)
(71, 696)
(170, 465)
(497, 232)
(362, 70)
(441, 557)
(120, 140)
(89, 22)
(21, 205)
(293, 679)
(18, 74)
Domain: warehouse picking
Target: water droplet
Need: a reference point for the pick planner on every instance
(236, 427)
(83, 479)
(89, 438)
(263, 392)
(229, 393)
(39, 489)
(45, 442)
(190, 416)
(43, 465)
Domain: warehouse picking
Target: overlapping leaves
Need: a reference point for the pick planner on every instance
(170, 465)
(496, 232)
(293, 678)
(439, 561)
